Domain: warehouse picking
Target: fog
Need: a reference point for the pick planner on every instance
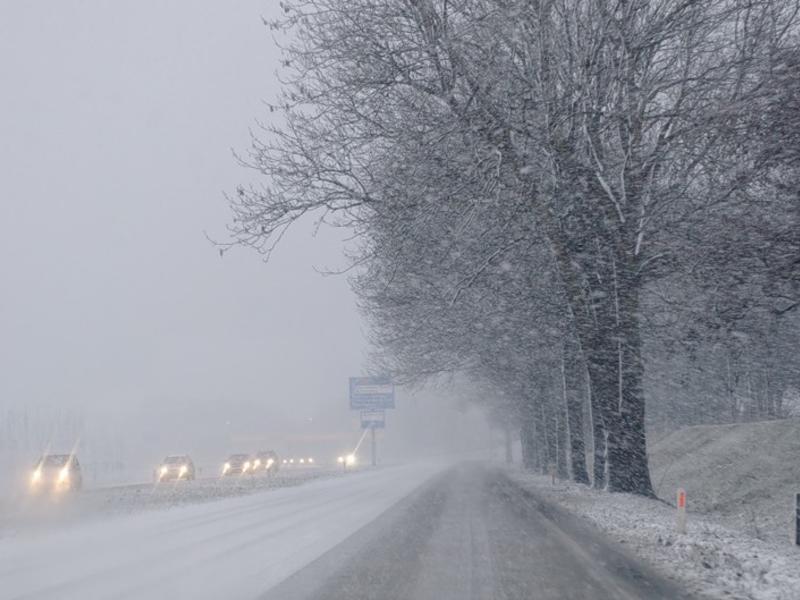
(121, 325)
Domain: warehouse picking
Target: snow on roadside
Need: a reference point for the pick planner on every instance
(711, 559)
(22, 512)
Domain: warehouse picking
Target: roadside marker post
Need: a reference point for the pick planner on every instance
(797, 519)
(552, 468)
(681, 519)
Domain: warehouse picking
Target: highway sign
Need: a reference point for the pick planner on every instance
(373, 419)
(371, 393)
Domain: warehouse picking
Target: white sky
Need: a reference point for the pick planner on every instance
(117, 121)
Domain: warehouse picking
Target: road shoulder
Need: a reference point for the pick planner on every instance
(710, 561)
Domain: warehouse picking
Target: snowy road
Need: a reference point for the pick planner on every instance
(473, 534)
(411, 532)
(231, 548)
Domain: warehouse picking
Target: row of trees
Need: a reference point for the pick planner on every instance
(550, 196)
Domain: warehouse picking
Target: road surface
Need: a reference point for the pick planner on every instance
(471, 533)
(235, 548)
(412, 532)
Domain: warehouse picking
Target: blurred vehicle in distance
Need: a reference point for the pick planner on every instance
(301, 461)
(237, 464)
(266, 461)
(57, 472)
(347, 460)
(174, 468)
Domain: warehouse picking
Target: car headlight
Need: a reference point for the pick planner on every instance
(351, 459)
(226, 467)
(340, 460)
(257, 464)
(269, 462)
(311, 460)
(285, 461)
(36, 476)
(302, 461)
(245, 466)
(183, 469)
(63, 475)
(291, 461)
(163, 471)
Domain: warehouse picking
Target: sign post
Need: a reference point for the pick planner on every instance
(797, 519)
(372, 420)
(372, 396)
(681, 518)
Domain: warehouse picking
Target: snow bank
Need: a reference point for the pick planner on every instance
(712, 560)
(745, 473)
(23, 512)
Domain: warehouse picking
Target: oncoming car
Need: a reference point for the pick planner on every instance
(266, 461)
(58, 472)
(175, 467)
(238, 464)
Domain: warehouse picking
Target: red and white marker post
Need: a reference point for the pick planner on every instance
(681, 518)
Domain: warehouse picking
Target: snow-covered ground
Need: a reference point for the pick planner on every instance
(231, 548)
(19, 511)
(712, 560)
(746, 474)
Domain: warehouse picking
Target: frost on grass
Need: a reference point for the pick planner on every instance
(712, 560)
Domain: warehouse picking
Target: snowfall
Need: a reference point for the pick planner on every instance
(144, 542)
(237, 539)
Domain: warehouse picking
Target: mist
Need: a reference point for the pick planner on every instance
(124, 330)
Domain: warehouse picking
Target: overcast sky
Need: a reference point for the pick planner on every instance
(117, 121)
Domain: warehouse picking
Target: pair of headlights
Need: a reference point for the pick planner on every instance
(245, 467)
(181, 471)
(63, 475)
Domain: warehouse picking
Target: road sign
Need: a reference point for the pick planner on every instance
(371, 393)
(373, 419)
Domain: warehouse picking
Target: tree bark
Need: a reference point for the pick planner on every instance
(562, 450)
(571, 385)
(508, 443)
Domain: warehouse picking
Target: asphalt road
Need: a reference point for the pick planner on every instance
(471, 533)
(233, 548)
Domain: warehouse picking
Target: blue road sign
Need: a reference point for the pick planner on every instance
(373, 419)
(371, 393)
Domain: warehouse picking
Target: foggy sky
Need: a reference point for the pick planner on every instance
(117, 121)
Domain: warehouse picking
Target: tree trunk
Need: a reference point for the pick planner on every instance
(629, 470)
(606, 320)
(615, 371)
(509, 447)
(562, 464)
(571, 385)
(527, 437)
(599, 445)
